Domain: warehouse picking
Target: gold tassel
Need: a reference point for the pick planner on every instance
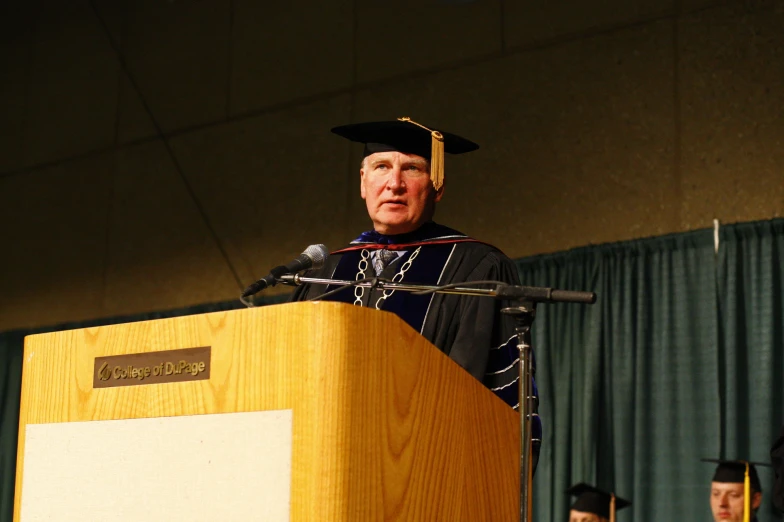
(436, 154)
(612, 507)
(747, 496)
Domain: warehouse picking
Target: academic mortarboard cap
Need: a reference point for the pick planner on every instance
(734, 471)
(594, 500)
(405, 135)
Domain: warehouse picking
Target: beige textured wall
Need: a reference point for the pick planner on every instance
(212, 160)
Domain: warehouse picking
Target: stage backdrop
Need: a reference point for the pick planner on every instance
(681, 358)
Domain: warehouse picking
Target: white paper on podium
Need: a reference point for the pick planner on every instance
(222, 467)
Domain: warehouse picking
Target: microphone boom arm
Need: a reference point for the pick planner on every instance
(501, 291)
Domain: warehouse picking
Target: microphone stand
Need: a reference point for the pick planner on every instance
(523, 310)
(524, 313)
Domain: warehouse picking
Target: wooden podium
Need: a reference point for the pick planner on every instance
(381, 424)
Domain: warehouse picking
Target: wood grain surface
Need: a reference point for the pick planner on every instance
(386, 427)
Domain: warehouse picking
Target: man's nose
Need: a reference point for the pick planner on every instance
(395, 181)
(724, 501)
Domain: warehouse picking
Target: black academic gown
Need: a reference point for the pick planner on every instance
(469, 329)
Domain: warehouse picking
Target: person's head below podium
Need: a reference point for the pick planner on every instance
(402, 171)
(727, 496)
(593, 504)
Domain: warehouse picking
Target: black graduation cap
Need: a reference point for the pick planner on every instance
(594, 500)
(734, 471)
(405, 135)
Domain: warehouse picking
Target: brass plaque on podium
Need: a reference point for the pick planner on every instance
(188, 364)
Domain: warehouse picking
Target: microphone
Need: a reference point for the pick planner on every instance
(544, 295)
(313, 257)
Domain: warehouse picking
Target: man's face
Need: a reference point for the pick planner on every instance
(727, 501)
(397, 190)
(580, 516)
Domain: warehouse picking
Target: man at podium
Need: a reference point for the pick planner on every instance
(401, 181)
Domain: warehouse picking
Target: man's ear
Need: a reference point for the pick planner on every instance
(362, 182)
(756, 500)
(439, 194)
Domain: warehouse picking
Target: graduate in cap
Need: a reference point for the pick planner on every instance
(736, 492)
(401, 180)
(593, 504)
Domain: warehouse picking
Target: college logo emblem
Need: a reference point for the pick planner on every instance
(104, 372)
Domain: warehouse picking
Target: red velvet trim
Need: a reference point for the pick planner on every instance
(407, 246)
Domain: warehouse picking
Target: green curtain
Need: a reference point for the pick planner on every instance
(751, 323)
(681, 358)
(629, 385)
(10, 387)
(11, 350)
